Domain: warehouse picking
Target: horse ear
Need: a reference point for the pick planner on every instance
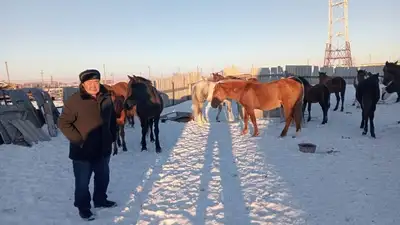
(130, 77)
(396, 62)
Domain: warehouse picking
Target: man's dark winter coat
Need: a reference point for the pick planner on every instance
(89, 124)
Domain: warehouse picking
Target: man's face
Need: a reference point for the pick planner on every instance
(92, 87)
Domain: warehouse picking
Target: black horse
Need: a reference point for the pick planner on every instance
(368, 94)
(391, 79)
(149, 105)
(313, 94)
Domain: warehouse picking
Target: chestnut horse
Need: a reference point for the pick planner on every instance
(218, 77)
(335, 85)
(288, 92)
(149, 106)
(313, 94)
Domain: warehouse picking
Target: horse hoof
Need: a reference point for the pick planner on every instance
(373, 136)
(364, 133)
(158, 150)
(144, 149)
(152, 140)
(124, 149)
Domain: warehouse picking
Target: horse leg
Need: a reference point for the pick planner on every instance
(297, 116)
(398, 97)
(371, 123)
(151, 121)
(324, 111)
(118, 138)
(115, 150)
(288, 118)
(240, 110)
(362, 118)
(157, 132)
(337, 101)
(342, 93)
(230, 112)
(122, 134)
(245, 121)
(303, 108)
(219, 112)
(309, 111)
(145, 126)
(365, 118)
(254, 122)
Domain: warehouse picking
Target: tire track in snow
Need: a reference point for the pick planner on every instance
(173, 197)
(265, 194)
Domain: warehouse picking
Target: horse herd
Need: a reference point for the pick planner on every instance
(140, 98)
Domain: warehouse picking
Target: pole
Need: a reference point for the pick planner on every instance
(8, 74)
(149, 71)
(104, 73)
(41, 73)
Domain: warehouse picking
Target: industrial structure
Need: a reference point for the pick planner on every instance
(337, 49)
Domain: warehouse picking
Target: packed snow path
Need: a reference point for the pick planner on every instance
(213, 175)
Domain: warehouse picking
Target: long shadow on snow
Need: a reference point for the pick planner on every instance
(235, 210)
(139, 170)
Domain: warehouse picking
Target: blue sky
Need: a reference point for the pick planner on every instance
(63, 38)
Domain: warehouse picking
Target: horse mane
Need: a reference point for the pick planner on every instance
(231, 81)
(304, 81)
(140, 79)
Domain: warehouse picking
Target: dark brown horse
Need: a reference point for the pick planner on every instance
(368, 94)
(318, 93)
(149, 105)
(264, 96)
(361, 75)
(335, 85)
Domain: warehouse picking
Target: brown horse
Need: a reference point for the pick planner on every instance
(313, 94)
(149, 105)
(118, 93)
(288, 92)
(335, 85)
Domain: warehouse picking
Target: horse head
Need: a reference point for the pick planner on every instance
(322, 74)
(391, 71)
(227, 89)
(130, 100)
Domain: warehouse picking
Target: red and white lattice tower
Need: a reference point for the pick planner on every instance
(337, 50)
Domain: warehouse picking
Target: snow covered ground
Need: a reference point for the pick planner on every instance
(213, 175)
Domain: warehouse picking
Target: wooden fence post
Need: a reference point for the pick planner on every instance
(189, 92)
(173, 92)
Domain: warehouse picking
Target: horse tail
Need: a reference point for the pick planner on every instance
(298, 107)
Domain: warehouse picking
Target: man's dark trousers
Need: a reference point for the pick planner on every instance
(83, 172)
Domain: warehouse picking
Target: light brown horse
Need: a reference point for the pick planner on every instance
(335, 85)
(202, 92)
(288, 92)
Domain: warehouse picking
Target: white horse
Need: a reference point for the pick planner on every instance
(202, 91)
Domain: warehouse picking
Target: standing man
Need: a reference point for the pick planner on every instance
(88, 121)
